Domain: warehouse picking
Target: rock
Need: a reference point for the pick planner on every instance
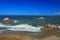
(50, 27)
(6, 19)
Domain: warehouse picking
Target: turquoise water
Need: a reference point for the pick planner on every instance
(33, 20)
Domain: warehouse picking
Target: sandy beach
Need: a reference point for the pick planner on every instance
(52, 38)
(18, 36)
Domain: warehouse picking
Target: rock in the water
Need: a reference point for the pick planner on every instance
(50, 27)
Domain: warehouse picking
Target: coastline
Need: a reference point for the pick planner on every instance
(23, 36)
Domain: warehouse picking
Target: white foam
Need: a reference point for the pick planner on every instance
(59, 26)
(15, 21)
(2, 25)
(24, 27)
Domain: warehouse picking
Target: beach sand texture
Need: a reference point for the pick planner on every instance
(24, 37)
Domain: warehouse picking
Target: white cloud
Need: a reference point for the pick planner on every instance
(57, 13)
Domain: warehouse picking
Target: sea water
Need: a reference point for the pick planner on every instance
(30, 25)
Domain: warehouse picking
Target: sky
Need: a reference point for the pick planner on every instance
(30, 7)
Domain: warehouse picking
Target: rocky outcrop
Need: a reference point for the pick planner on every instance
(6, 19)
(50, 27)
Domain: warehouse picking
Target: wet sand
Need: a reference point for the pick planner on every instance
(24, 36)
(51, 38)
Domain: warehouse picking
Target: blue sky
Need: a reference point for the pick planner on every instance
(30, 7)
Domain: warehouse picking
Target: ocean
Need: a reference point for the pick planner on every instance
(30, 25)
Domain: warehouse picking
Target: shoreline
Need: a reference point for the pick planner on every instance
(25, 37)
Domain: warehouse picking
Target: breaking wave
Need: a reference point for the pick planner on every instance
(22, 27)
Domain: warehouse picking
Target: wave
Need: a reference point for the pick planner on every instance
(22, 27)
